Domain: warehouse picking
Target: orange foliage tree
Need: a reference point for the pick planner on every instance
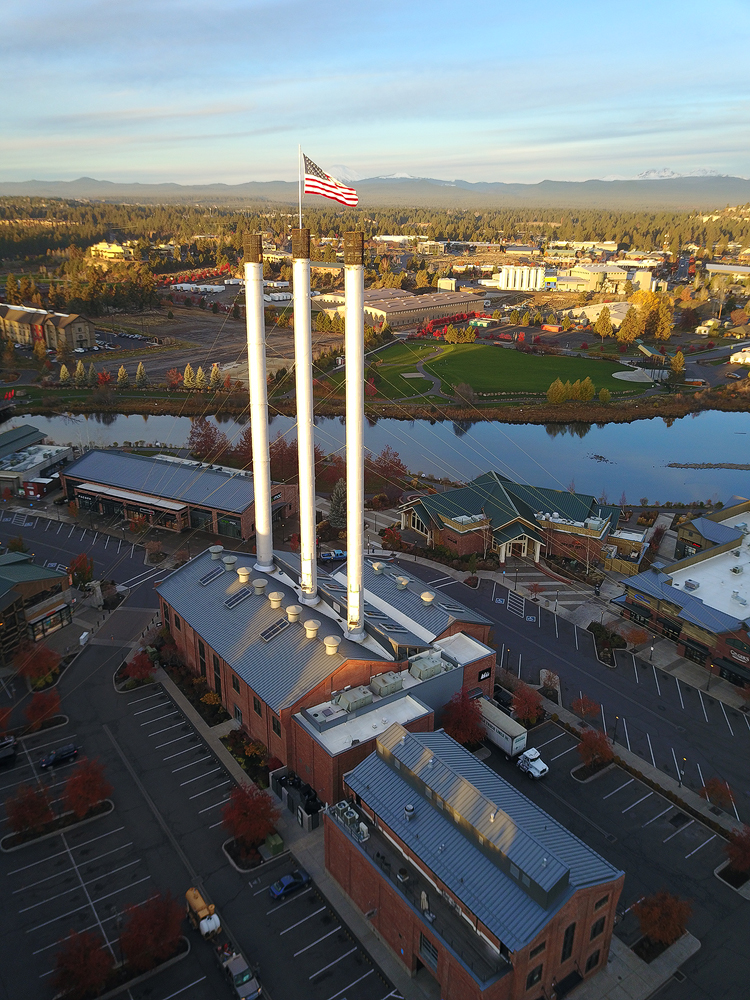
(43, 705)
(594, 748)
(83, 966)
(717, 791)
(663, 917)
(29, 809)
(140, 668)
(86, 788)
(462, 718)
(527, 704)
(35, 661)
(738, 849)
(249, 816)
(585, 707)
(152, 932)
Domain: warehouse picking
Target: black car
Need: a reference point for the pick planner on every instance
(7, 749)
(67, 752)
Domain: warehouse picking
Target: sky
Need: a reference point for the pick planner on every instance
(160, 90)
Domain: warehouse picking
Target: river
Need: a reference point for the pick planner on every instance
(610, 459)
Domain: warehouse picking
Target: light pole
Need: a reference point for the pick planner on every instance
(557, 595)
(651, 657)
(614, 735)
(710, 671)
(681, 775)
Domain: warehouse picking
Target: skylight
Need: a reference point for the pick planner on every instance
(273, 630)
(213, 575)
(238, 598)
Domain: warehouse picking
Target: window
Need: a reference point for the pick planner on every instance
(601, 902)
(256, 706)
(598, 928)
(534, 977)
(538, 950)
(428, 951)
(567, 948)
(202, 658)
(177, 623)
(235, 683)
(217, 676)
(593, 961)
(166, 616)
(238, 714)
(276, 725)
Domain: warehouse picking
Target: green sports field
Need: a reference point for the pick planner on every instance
(487, 368)
(393, 362)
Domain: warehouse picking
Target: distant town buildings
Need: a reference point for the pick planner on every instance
(26, 325)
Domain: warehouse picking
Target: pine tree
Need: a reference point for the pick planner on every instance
(188, 379)
(64, 375)
(567, 389)
(604, 395)
(630, 327)
(556, 392)
(677, 364)
(200, 379)
(575, 390)
(664, 318)
(140, 377)
(567, 322)
(526, 319)
(91, 378)
(215, 381)
(40, 351)
(12, 293)
(603, 325)
(337, 515)
(587, 390)
(80, 376)
(122, 378)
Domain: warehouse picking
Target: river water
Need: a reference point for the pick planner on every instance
(610, 459)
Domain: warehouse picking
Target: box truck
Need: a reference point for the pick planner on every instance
(503, 731)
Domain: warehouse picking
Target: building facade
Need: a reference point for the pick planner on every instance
(26, 325)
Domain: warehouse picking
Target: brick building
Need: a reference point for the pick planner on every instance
(294, 681)
(460, 875)
(494, 514)
(172, 493)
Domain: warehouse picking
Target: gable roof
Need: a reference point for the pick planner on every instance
(19, 437)
(691, 608)
(715, 531)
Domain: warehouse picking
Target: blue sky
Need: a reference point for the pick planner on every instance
(160, 90)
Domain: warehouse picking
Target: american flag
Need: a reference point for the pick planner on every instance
(317, 181)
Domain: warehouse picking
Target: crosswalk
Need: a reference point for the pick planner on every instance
(568, 596)
(516, 604)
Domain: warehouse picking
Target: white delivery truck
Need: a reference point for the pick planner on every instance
(503, 731)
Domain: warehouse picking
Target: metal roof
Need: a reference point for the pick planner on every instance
(692, 608)
(194, 484)
(19, 437)
(19, 567)
(521, 833)
(714, 531)
(280, 671)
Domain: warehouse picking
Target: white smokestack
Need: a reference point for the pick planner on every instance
(256, 366)
(305, 426)
(354, 350)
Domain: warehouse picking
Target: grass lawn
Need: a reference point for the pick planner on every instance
(393, 362)
(488, 368)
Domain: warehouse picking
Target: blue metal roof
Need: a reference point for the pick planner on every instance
(531, 840)
(279, 671)
(194, 484)
(714, 531)
(692, 608)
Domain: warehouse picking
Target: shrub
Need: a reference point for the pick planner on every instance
(212, 698)
(717, 791)
(738, 849)
(140, 667)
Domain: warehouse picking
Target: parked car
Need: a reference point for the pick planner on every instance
(288, 884)
(531, 763)
(335, 555)
(79, 350)
(735, 375)
(64, 753)
(7, 750)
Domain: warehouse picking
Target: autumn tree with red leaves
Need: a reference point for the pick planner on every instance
(29, 809)
(140, 668)
(86, 788)
(585, 707)
(527, 705)
(717, 792)
(174, 378)
(663, 917)
(462, 718)
(81, 570)
(595, 749)
(152, 932)
(43, 705)
(207, 442)
(738, 849)
(5, 714)
(35, 661)
(249, 816)
(83, 966)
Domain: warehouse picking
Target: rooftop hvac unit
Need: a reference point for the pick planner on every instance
(425, 669)
(735, 552)
(340, 808)
(362, 833)
(736, 597)
(351, 818)
(691, 585)
(387, 683)
(354, 698)
(736, 570)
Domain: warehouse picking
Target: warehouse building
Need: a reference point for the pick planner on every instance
(399, 308)
(34, 601)
(171, 493)
(27, 466)
(461, 875)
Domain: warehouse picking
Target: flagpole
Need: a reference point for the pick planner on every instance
(299, 164)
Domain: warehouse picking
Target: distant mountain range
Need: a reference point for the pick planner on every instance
(659, 189)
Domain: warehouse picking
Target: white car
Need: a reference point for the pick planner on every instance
(79, 350)
(531, 763)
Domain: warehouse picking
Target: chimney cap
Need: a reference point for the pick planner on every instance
(378, 568)
(276, 597)
(215, 551)
(259, 585)
(427, 597)
(311, 627)
(243, 572)
(332, 643)
(229, 561)
(293, 611)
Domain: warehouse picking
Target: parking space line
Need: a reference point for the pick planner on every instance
(107, 542)
(82, 885)
(66, 870)
(624, 785)
(72, 530)
(683, 827)
(214, 825)
(335, 995)
(703, 706)
(651, 750)
(695, 851)
(191, 764)
(60, 739)
(658, 688)
(147, 698)
(213, 807)
(154, 708)
(679, 691)
(169, 715)
(628, 808)
(658, 816)
(336, 962)
(625, 726)
(635, 670)
(309, 946)
(540, 745)
(76, 847)
(726, 718)
(212, 789)
(198, 777)
(575, 745)
(302, 921)
(287, 901)
(187, 736)
(166, 730)
(747, 721)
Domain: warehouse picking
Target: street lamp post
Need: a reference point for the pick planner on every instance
(614, 735)
(651, 657)
(557, 596)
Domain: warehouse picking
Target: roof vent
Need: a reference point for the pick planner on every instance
(378, 568)
(259, 586)
(293, 612)
(332, 643)
(311, 627)
(229, 562)
(401, 582)
(216, 551)
(276, 597)
(243, 572)
(427, 597)
(409, 812)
